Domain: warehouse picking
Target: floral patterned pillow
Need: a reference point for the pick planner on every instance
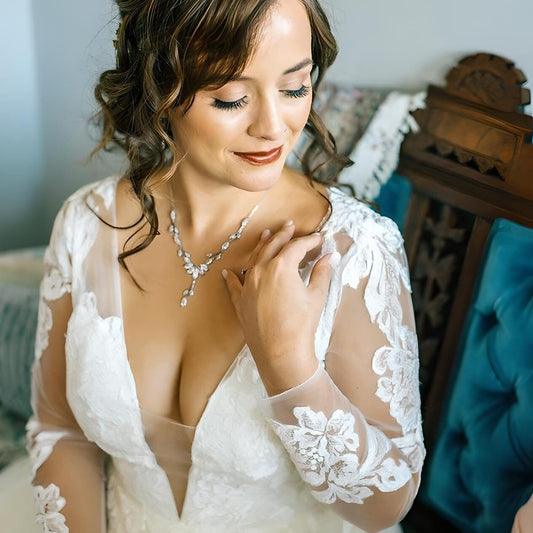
(347, 112)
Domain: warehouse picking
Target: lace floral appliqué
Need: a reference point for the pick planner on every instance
(40, 443)
(398, 368)
(53, 286)
(48, 504)
(324, 451)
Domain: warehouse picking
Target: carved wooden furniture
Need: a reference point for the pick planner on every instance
(470, 163)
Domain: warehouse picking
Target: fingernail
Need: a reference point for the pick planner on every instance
(224, 273)
(288, 223)
(266, 234)
(335, 259)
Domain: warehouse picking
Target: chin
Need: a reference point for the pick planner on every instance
(261, 178)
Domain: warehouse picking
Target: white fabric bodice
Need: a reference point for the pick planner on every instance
(247, 469)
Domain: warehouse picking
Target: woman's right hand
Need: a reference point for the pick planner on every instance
(278, 312)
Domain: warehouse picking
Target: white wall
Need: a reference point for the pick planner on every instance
(74, 44)
(52, 51)
(21, 209)
(410, 43)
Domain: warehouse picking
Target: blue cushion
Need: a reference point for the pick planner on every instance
(393, 199)
(481, 470)
(20, 274)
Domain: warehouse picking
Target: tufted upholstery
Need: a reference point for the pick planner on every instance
(481, 470)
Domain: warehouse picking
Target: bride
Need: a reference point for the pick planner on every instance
(224, 343)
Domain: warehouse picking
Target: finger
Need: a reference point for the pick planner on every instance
(258, 247)
(322, 272)
(294, 251)
(274, 244)
(234, 285)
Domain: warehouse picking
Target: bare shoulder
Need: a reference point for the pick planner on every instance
(128, 209)
(306, 201)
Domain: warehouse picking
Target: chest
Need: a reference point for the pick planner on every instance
(233, 445)
(178, 355)
(238, 465)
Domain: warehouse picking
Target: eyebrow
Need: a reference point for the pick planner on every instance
(299, 66)
(296, 68)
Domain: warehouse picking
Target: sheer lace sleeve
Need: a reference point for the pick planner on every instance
(68, 469)
(353, 429)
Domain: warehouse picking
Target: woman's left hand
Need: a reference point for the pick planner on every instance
(278, 312)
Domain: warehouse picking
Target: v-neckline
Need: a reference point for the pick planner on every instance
(118, 293)
(171, 420)
(243, 351)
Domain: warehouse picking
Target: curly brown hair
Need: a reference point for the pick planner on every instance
(168, 50)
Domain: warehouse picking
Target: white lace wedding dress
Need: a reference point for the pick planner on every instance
(340, 452)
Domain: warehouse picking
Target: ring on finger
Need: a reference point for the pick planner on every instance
(244, 270)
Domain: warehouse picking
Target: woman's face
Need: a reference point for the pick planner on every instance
(241, 133)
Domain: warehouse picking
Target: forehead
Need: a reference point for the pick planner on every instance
(284, 39)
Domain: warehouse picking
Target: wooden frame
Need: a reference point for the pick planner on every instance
(470, 163)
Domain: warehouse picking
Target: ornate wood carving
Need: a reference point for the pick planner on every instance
(443, 234)
(476, 122)
(471, 162)
(489, 80)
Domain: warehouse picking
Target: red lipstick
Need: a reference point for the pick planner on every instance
(261, 158)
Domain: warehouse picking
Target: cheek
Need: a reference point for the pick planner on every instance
(207, 128)
(220, 129)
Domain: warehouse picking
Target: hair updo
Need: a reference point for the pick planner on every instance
(168, 50)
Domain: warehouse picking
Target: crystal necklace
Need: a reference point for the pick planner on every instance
(195, 271)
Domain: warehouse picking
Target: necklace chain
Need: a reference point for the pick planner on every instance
(192, 269)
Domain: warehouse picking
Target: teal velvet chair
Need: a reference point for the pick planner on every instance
(481, 470)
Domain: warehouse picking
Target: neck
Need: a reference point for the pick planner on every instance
(207, 207)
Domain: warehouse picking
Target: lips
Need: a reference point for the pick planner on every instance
(261, 158)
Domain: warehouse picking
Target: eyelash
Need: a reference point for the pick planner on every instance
(229, 106)
(302, 92)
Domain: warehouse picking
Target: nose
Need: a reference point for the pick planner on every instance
(268, 120)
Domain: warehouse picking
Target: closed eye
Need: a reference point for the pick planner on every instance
(302, 92)
(229, 106)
